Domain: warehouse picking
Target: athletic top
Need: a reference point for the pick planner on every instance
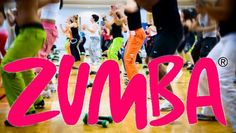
(75, 32)
(116, 30)
(204, 23)
(229, 26)
(50, 11)
(96, 34)
(105, 36)
(134, 20)
(166, 16)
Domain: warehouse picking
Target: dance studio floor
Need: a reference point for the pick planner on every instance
(57, 125)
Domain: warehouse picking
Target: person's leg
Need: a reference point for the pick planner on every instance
(196, 51)
(74, 49)
(165, 44)
(207, 46)
(67, 46)
(91, 51)
(52, 34)
(27, 44)
(81, 45)
(206, 112)
(134, 45)
(96, 50)
(3, 40)
(114, 48)
(226, 76)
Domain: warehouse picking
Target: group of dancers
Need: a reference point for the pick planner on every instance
(207, 31)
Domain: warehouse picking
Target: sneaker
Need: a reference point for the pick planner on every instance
(186, 64)
(126, 81)
(39, 105)
(46, 93)
(145, 67)
(161, 98)
(52, 87)
(90, 85)
(7, 124)
(202, 117)
(190, 68)
(92, 73)
(166, 106)
(147, 73)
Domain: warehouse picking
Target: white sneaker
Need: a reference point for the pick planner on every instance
(46, 93)
(166, 106)
(52, 87)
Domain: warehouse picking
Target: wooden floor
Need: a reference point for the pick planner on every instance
(127, 126)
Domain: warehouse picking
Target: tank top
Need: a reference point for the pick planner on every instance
(75, 32)
(203, 21)
(166, 16)
(116, 30)
(50, 11)
(105, 36)
(134, 20)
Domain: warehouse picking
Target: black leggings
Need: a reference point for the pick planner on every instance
(106, 44)
(74, 48)
(81, 45)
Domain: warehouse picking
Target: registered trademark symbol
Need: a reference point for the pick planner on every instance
(223, 62)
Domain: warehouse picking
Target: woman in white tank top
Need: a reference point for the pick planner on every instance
(94, 39)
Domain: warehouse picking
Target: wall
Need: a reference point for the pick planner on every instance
(84, 12)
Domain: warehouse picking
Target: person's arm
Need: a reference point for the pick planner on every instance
(109, 24)
(120, 21)
(10, 18)
(108, 32)
(131, 6)
(125, 28)
(74, 25)
(211, 26)
(43, 3)
(220, 12)
(93, 29)
(63, 29)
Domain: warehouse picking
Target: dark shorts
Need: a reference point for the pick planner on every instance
(166, 43)
(187, 43)
(203, 47)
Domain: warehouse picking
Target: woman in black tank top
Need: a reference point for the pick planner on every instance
(116, 30)
(116, 26)
(75, 40)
